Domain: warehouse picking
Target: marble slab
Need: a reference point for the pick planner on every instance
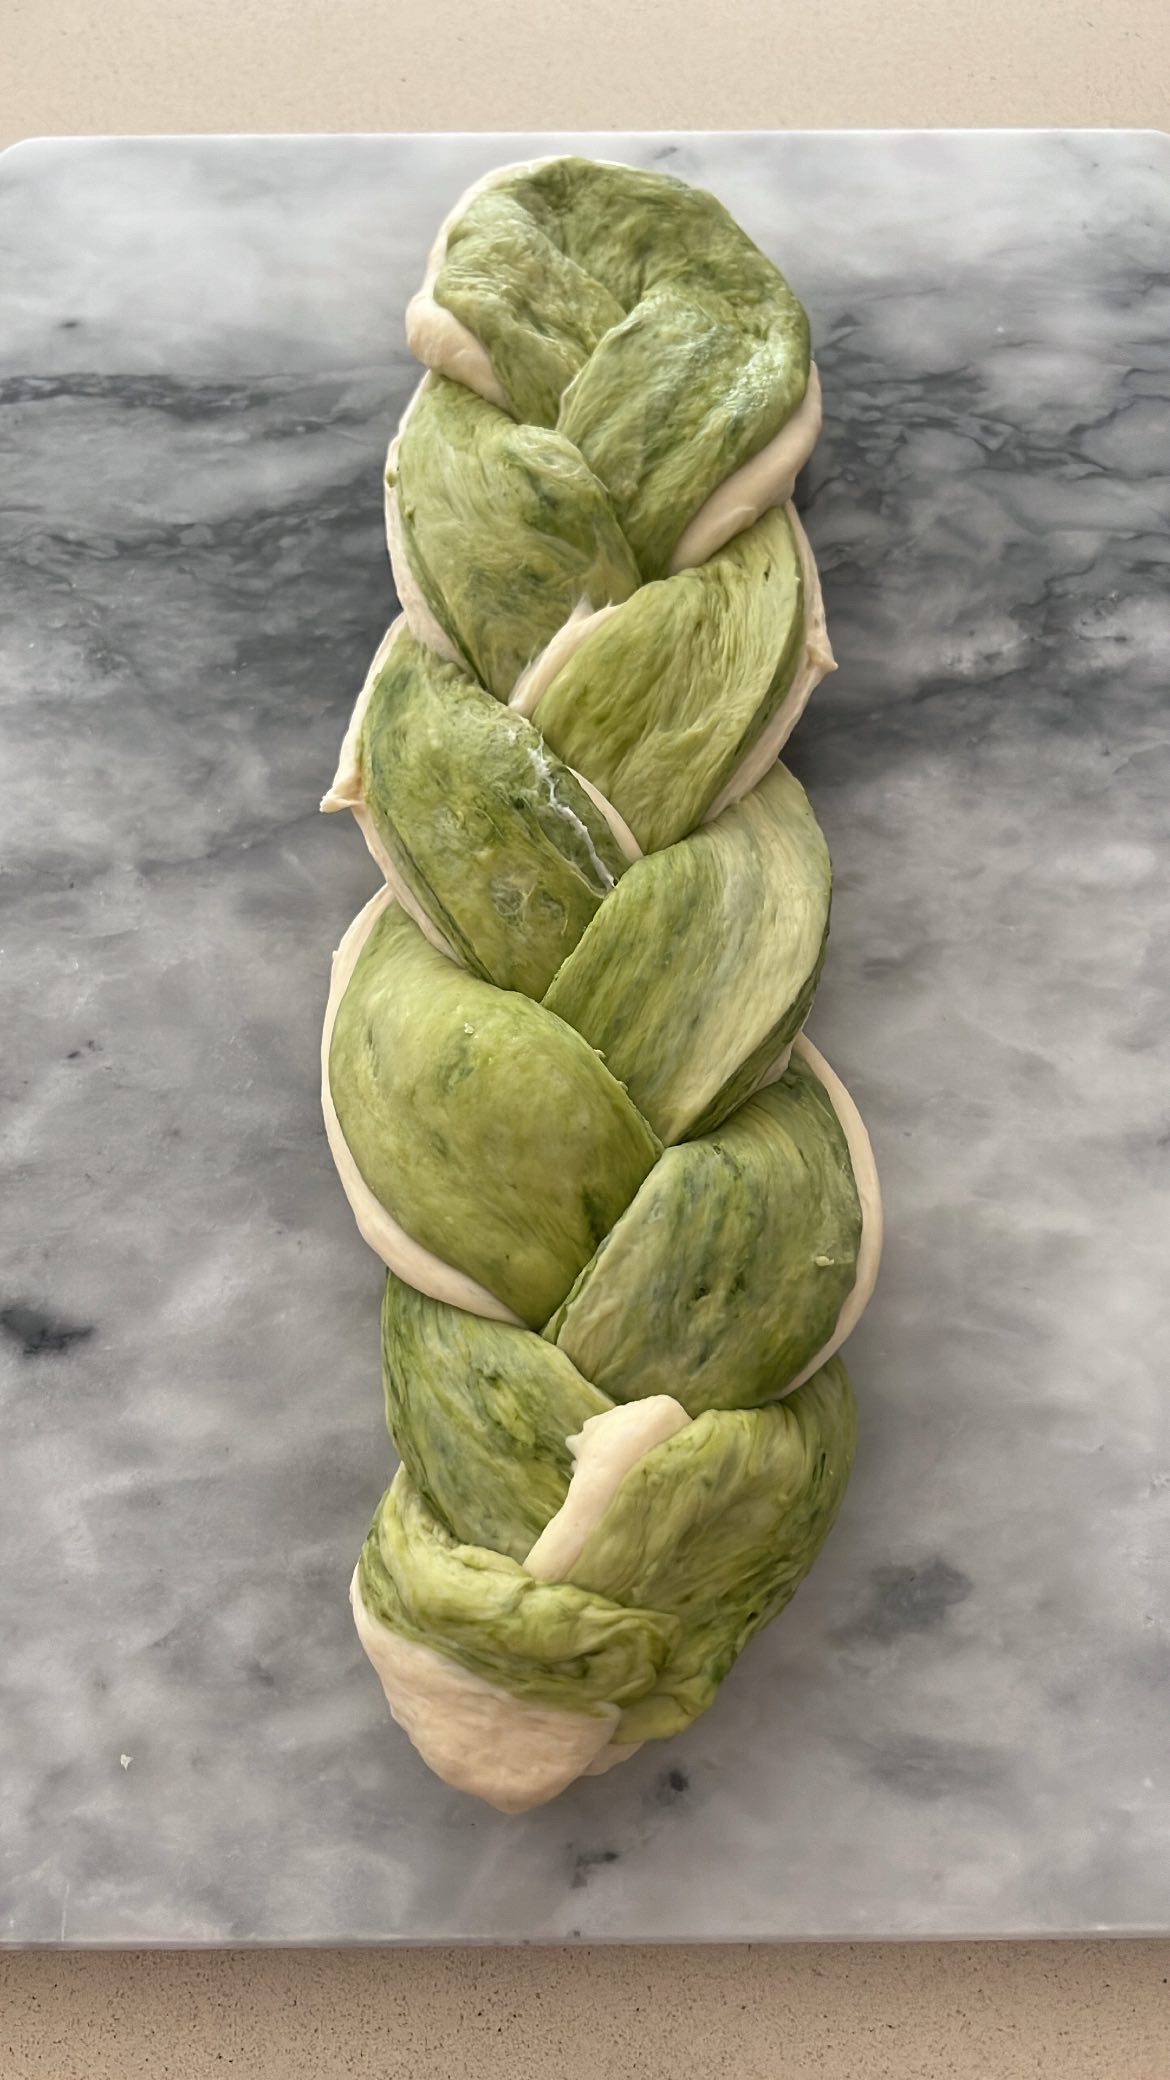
(961, 1726)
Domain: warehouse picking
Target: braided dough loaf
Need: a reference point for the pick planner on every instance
(628, 1212)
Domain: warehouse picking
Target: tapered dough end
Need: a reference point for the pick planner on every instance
(477, 1737)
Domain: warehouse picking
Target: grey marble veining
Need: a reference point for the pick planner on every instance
(961, 1724)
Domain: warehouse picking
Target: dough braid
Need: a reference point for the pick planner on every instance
(628, 1212)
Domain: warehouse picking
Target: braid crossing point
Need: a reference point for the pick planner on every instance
(628, 1212)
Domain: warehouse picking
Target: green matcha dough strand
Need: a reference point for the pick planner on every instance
(671, 404)
(480, 1414)
(728, 1272)
(506, 529)
(632, 313)
(539, 312)
(718, 1527)
(705, 1540)
(700, 967)
(658, 706)
(488, 1129)
(546, 1641)
(496, 839)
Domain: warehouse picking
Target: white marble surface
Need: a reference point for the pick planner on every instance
(960, 1725)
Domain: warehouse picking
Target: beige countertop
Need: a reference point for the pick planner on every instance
(134, 65)
(999, 2011)
(1079, 2011)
